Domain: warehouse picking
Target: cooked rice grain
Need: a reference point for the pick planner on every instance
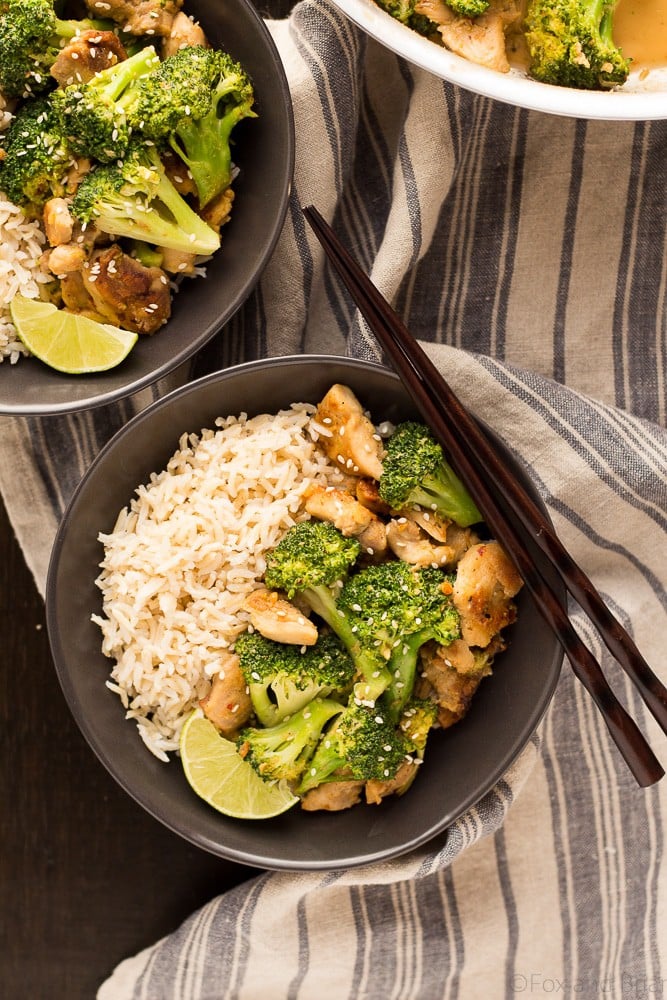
(21, 246)
(187, 551)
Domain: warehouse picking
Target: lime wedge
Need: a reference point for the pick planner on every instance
(223, 779)
(69, 343)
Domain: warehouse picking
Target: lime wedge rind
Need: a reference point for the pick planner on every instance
(67, 342)
(224, 780)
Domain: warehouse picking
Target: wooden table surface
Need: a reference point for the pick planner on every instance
(87, 878)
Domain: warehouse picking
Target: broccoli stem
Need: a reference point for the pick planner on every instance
(374, 678)
(204, 146)
(403, 668)
(114, 81)
(70, 29)
(445, 492)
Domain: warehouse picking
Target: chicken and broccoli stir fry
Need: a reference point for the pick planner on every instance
(381, 611)
(119, 144)
(567, 43)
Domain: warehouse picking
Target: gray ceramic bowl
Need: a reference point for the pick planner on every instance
(264, 152)
(462, 763)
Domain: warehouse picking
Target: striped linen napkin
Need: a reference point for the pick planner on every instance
(527, 252)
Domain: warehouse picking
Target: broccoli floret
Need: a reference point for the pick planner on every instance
(93, 114)
(395, 609)
(361, 745)
(36, 156)
(193, 102)
(135, 198)
(415, 471)
(282, 679)
(282, 752)
(468, 8)
(571, 44)
(312, 559)
(404, 11)
(418, 719)
(312, 555)
(30, 41)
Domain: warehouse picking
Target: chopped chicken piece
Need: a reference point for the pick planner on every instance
(219, 210)
(88, 53)
(451, 675)
(178, 261)
(486, 581)
(65, 259)
(58, 221)
(376, 790)
(333, 796)
(184, 33)
(349, 516)
(228, 703)
(408, 542)
(178, 173)
(352, 441)
(460, 539)
(368, 494)
(277, 619)
(76, 172)
(480, 39)
(125, 292)
(76, 297)
(138, 17)
(435, 525)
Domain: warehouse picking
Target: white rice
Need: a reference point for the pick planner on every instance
(187, 551)
(21, 246)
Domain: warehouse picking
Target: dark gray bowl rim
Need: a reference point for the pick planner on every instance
(259, 860)
(101, 397)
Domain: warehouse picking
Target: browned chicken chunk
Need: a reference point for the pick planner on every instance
(184, 32)
(177, 261)
(218, 212)
(349, 516)
(486, 581)
(88, 53)
(376, 790)
(277, 619)
(451, 675)
(408, 542)
(480, 39)
(138, 17)
(65, 259)
(333, 796)
(76, 298)
(58, 221)
(349, 438)
(368, 494)
(228, 704)
(178, 173)
(127, 293)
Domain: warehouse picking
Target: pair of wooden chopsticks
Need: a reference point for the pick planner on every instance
(511, 515)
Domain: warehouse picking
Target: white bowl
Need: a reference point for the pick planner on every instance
(638, 100)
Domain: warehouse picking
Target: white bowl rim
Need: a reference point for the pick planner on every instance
(638, 101)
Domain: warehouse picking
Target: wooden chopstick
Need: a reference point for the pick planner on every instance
(474, 459)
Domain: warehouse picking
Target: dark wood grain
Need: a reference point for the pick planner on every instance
(86, 876)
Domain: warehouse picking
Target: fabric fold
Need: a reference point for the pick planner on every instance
(526, 252)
